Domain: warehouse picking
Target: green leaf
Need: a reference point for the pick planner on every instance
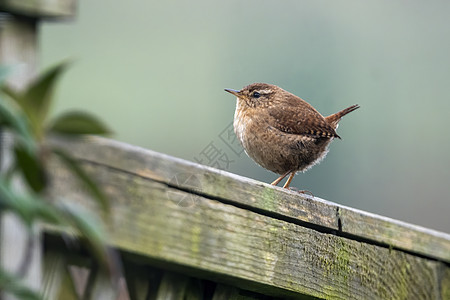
(31, 167)
(39, 96)
(7, 201)
(78, 123)
(13, 285)
(17, 99)
(88, 228)
(48, 213)
(10, 117)
(30, 208)
(4, 72)
(14, 95)
(20, 205)
(13, 118)
(92, 187)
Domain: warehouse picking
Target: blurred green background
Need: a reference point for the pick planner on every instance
(156, 70)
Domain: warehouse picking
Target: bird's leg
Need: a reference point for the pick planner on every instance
(301, 191)
(288, 182)
(280, 178)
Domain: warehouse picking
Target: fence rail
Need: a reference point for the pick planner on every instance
(214, 225)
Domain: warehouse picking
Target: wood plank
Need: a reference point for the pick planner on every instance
(68, 289)
(173, 287)
(247, 249)
(101, 286)
(54, 274)
(57, 280)
(77, 278)
(40, 8)
(445, 283)
(138, 280)
(260, 197)
(224, 292)
(18, 48)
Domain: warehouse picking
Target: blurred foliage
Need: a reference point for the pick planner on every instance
(13, 285)
(161, 71)
(25, 115)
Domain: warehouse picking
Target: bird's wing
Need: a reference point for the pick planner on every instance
(301, 120)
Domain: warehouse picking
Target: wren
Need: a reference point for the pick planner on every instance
(282, 132)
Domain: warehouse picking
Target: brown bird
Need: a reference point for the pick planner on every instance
(282, 132)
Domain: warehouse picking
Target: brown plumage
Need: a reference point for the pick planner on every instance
(280, 131)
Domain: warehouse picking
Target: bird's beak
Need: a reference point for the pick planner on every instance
(234, 92)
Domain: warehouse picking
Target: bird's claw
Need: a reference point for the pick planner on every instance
(301, 191)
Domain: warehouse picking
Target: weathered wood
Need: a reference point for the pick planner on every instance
(67, 290)
(248, 249)
(55, 271)
(445, 283)
(101, 286)
(138, 280)
(18, 48)
(76, 281)
(260, 197)
(194, 290)
(40, 8)
(173, 287)
(224, 292)
(57, 280)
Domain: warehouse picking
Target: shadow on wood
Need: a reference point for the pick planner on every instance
(253, 236)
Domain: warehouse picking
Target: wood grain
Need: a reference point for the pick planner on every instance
(40, 8)
(55, 266)
(261, 197)
(246, 249)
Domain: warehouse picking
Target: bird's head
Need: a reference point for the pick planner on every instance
(257, 94)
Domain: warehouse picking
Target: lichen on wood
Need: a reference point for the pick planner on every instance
(257, 249)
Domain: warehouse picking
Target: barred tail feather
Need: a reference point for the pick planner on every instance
(335, 118)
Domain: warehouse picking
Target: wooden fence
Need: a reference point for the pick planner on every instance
(186, 231)
(214, 230)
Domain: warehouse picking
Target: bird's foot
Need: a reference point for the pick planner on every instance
(301, 191)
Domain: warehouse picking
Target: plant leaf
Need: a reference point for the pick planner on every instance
(17, 98)
(12, 285)
(18, 204)
(31, 167)
(28, 207)
(88, 228)
(4, 72)
(11, 117)
(14, 95)
(47, 212)
(39, 96)
(92, 187)
(78, 123)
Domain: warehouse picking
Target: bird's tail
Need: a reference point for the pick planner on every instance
(335, 118)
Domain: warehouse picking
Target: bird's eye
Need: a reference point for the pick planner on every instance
(256, 95)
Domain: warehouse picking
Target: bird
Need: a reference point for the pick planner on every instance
(282, 132)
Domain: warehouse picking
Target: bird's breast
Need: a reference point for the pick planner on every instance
(273, 149)
(241, 121)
